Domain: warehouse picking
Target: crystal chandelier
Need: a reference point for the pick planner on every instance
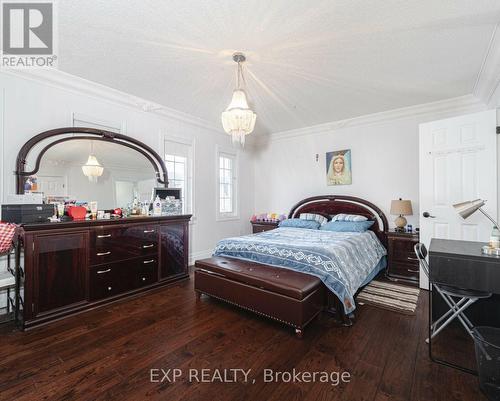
(238, 120)
(92, 169)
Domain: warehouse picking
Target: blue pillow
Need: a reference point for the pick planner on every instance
(300, 223)
(348, 226)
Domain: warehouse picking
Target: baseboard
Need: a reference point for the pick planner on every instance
(194, 256)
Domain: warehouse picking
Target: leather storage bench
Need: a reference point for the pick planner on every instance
(285, 295)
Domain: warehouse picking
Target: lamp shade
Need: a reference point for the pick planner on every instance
(92, 169)
(401, 207)
(238, 120)
(465, 209)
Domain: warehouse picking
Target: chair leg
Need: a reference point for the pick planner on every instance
(461, 316)
(459, 303)
(8, 300)
(453, 316)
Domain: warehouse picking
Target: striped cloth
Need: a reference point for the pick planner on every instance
(348, 217)
(313, 216)
(396, 297)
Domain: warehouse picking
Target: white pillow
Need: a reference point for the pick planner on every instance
(348, 217)
(316, 217)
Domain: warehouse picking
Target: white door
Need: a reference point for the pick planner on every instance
(457, 163)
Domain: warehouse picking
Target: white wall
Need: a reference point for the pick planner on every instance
(384, 162)
(30, 106)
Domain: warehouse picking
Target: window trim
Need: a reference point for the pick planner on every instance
(94, 122)
(232, 153)
(190, 167)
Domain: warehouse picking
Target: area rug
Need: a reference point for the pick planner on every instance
(395, 297)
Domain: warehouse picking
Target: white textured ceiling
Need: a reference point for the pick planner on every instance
(309, 62)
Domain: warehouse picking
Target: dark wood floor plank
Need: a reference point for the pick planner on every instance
(107, 354)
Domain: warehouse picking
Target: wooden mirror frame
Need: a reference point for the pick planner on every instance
(93, 134)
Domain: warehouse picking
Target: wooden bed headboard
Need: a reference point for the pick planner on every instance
(329, 205)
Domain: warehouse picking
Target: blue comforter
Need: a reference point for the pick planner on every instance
(342, 260)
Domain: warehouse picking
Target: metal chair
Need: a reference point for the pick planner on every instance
(457, 307)
(10, 280)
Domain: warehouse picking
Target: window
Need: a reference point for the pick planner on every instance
(227, 189)
(179, 159)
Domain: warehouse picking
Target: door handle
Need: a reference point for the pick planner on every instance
(428, 215)
(104, 236)
(148, 261)
(103, 271)
(104, 253)
(148, 231)
(148, 246)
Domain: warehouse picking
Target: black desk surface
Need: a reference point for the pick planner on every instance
(461, 249)
(461, 264)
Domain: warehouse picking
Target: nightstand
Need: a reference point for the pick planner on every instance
(402, 262)
(259, 226)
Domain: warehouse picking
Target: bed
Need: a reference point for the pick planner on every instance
(291, 274)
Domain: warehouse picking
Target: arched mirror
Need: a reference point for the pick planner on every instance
(89, 164)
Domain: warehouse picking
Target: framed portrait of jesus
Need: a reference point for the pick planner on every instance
(338, 167)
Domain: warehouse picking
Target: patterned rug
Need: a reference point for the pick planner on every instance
(395, 297)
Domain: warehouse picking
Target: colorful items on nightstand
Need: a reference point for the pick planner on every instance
(270, 217)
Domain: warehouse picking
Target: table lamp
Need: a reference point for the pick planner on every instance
(401, 208)
(465, 209)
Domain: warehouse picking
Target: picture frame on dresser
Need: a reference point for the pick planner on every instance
(402, 262)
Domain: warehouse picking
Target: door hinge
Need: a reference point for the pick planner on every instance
(33, 245)
(498, 129)
(32, 308)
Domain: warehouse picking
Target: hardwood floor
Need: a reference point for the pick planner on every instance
(107, 354)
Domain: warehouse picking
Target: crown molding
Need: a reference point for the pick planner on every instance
(73, 83)
(488, 77)
(461, 104)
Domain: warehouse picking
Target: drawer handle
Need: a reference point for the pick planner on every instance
(104, 236)
(104, 253)
(148, 261)
(110, 288)
(103, 271)
(148, 231)
(410, 258)
(148, 246)
(413, 271)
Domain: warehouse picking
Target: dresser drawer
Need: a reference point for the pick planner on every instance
(402, 250)
(402, 260)
(110, 244)
(406, 270)
(261, 227)
(115, 278)
(146, 272)
(109, 280)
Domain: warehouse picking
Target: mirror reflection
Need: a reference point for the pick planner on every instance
(93, 170)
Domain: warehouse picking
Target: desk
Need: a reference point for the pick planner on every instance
(461, 264)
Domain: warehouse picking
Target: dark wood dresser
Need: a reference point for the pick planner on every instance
(77, 265)
(402, 260)
(259, 226)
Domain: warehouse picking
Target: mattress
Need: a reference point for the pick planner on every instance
(343, 261)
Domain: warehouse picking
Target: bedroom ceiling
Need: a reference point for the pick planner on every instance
(308, 62)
